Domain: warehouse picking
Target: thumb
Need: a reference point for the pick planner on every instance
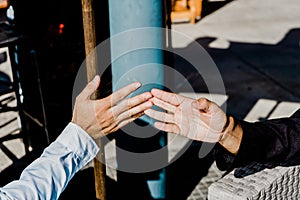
(202, 104)
(91, 87)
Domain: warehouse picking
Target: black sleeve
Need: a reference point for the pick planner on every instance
(276, 140)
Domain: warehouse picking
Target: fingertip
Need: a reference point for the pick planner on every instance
(147, 112)
(158, 125)
(95, 79)
(137, 85)
(148, 95)
(154, 90)
(149, 104)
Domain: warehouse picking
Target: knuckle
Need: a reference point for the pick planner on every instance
(130, 103)
(130, 113)
(146, 96)
(203, 100)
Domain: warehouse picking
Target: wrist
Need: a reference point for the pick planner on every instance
(231, 136)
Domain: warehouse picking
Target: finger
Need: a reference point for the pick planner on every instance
(202, 104)
(161, 116)
(90, 88)
(129, 120)
(132, 102)
(133, 112)
(171, 128)
(167, 96)
(167, 106)
(123, 92)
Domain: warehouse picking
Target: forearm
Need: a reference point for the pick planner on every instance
(48, 176)
(270, 141)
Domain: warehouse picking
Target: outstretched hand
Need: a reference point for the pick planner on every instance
(201, 119)
(103, 116)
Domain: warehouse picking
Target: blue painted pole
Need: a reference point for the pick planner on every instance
(131, 16)
(131, 61)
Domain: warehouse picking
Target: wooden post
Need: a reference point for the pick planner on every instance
(91, 68)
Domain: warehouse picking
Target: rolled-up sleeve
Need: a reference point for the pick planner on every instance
(47, 176)
(275, 141)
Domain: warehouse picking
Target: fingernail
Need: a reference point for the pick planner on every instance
(148, 104)
(138, 84)
(96, 78)
(153, 90)
(148, 95)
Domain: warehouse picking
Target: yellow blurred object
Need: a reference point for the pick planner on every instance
(186, 10)
(4, 3)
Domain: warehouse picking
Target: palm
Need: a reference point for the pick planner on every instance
(202, 123)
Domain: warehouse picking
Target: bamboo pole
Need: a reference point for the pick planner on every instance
(91, 68)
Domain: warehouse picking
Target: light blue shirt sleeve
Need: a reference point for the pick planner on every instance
(48, 176)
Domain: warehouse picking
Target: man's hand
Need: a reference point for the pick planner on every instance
(103, 116)
(201, 119)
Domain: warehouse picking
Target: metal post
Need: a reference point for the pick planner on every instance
(128, 15)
